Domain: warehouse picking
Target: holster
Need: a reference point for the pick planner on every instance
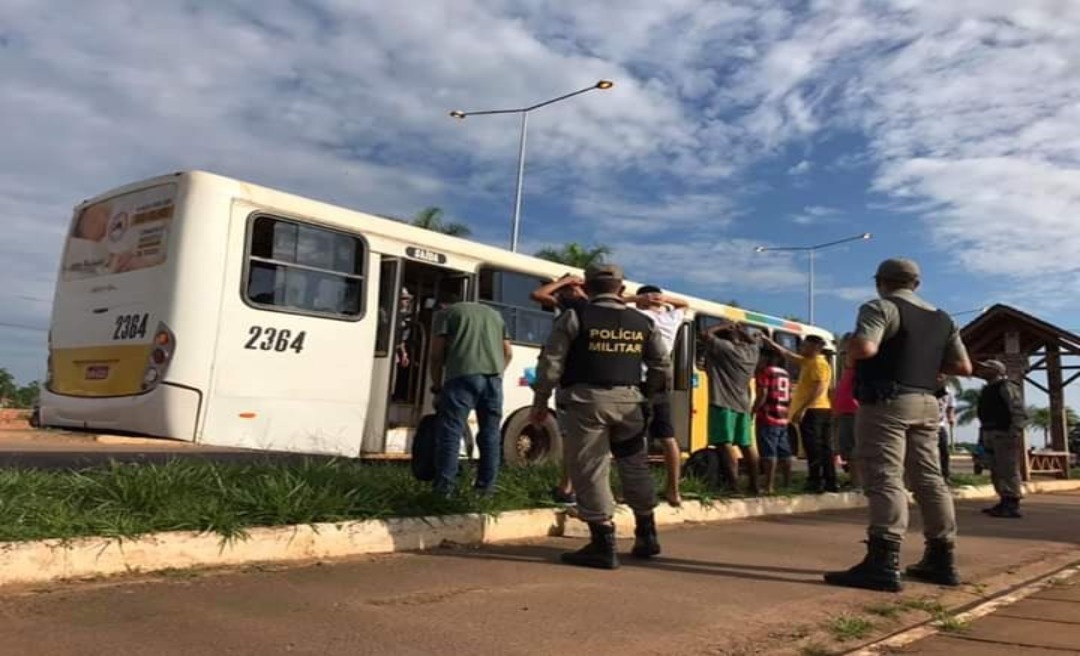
(634, 445)
(876, 391)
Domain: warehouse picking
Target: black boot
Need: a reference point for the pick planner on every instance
(1009, 509)
(599, 553)
(879, 570)
(995, 508)
(937, 564)
(646, 544)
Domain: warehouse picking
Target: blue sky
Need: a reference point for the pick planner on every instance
(947, 129)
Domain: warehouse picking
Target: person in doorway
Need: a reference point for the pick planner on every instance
(731, 357)
(404, 328)
(667, 314)
(594, 357)
(811, 410)
(901, 346)
(947, 414)
(1002, 418)
(771, 412)
(408, 336)
(469, 353)
(844, 407)
(564, 294)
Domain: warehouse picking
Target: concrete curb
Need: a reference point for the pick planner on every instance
(51, 560)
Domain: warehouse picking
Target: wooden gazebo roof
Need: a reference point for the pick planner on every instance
(982, 336)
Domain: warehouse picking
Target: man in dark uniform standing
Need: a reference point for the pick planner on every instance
(1002, 417)
(902, 347)
(594, 356)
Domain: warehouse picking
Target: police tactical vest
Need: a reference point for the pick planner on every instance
(994, 411)
(910, 360)
(608, 349)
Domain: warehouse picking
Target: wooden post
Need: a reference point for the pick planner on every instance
(1058, 420)
(1016, 365)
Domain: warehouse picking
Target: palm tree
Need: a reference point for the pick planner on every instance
(575, 255)
(431, 218)
(1041, 419)
(967, 406)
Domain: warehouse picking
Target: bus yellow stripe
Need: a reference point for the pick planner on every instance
(122, 368)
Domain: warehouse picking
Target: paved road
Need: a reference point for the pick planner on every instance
(1045, 624)
(740, 587)
(70, 450)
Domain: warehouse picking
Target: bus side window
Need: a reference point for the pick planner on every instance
(702, 322)
(508, 293)
(790, 342)
(304, 269)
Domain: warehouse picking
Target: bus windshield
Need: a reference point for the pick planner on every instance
(123, 233)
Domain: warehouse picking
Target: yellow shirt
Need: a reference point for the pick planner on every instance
(812, 371)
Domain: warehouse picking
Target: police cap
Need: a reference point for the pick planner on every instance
(898, 270)
(605, 271)
(994, 365)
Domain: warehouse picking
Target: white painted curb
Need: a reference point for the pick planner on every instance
(50, 560)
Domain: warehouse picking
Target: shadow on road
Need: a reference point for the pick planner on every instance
(549, 555)
(1047, 517)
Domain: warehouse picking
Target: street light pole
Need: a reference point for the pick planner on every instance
(973, 311)
(520, 178)
(524, 111)
(810, 251)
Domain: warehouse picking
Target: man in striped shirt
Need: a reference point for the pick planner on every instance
(771, 411)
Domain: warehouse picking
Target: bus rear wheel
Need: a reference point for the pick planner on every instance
(525, 444)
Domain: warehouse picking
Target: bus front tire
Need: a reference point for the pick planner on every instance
(525, 444)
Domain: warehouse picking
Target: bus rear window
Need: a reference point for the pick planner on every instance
(124, 233)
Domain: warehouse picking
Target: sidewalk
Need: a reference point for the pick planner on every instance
(1046, 623)
(734, 588)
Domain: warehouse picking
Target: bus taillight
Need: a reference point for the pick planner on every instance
(164, 345)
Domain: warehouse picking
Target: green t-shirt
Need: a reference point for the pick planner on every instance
(474, 340)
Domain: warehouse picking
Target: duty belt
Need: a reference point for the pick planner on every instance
(907, 389)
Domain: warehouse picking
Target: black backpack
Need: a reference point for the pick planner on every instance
(423, 450)
(423, 461)
(706, 466)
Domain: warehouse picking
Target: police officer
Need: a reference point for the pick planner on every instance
(1002, 417)
(901, 348)
(594, 356)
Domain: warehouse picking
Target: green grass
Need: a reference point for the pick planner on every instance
(961, 480)
(887, 611)
(850, 627)
(950, 623)
(931, 606)
(126, 500)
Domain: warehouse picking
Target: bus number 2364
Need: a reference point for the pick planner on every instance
(273, 339)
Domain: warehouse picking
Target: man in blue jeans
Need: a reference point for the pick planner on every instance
(469, 353)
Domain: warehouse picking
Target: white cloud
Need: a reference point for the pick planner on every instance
(802, 168)
(716, 270)
(816, 215)
(969, 109)
(855, 294)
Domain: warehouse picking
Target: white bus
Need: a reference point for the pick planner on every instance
(196, 307)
